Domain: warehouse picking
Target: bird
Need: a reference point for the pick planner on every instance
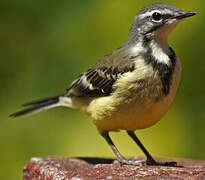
(132, 87)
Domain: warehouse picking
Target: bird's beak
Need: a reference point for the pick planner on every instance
(184, 14)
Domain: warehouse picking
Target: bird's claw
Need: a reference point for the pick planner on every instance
(131, 162)
(168, 164)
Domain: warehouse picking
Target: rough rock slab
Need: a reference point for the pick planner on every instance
(55, 168)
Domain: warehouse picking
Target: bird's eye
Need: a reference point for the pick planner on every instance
(156, 16)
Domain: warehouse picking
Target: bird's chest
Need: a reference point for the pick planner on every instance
(147, 107)
(136, 106)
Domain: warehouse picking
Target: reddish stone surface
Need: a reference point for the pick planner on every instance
(54, 168)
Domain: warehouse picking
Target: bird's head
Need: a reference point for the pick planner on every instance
(156, 21)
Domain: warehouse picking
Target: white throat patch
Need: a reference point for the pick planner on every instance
(159, 53)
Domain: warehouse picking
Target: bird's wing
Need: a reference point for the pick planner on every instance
(98, 81)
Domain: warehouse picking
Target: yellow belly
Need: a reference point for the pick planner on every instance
(130, 110)
(133, 115)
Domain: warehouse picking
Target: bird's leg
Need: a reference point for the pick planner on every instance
(150, 160)
(120, 158)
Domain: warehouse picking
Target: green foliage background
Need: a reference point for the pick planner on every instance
(47, 44)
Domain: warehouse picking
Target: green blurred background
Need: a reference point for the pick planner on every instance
(46, 44)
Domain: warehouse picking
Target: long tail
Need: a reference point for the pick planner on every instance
(37, 106)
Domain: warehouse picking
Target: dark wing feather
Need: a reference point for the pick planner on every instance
(98, 81)
(91, 84)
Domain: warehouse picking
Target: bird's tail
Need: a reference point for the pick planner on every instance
(37, 106)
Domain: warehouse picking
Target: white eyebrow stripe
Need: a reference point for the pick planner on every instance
(149, 13)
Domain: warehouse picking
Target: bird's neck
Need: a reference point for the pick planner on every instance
(156, 47)
(155, 43)
(157, 53)
(160, 51)
(134, 35)
(163, 60)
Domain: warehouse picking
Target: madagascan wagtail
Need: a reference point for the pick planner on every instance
(132, 87)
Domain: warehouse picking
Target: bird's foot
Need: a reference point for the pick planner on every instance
(152, 162)
(149, 162)
(131, 162)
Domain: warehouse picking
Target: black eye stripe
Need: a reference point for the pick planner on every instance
(164, 16)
